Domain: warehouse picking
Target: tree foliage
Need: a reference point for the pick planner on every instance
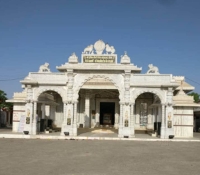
(3, 104)
(195, 95)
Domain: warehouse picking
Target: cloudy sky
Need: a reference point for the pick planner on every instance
(162, 32)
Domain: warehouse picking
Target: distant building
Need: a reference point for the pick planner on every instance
(99, 92)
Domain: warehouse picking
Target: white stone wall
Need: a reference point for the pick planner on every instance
(18, 112)
(150, 79)
(49, 78)
(183, 121)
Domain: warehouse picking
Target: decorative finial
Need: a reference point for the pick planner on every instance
(181, 85)
(73, 58)
(125, 59)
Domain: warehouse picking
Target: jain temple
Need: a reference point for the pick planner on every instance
(100, 92)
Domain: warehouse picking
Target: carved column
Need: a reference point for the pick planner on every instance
(169, 114)
(132, 115)
(121, 115)
(34, 126)
(70, 84)
(81, 120)
(29, 110)
(132, 129)
(75, 113)
(116, 125)
(127, 85)
(97, 112)
(64, 123)
(163, 122)
(132, 132)
(121, 120)
(75, 120)
(92, 108)
(87, 110)
(65, 113)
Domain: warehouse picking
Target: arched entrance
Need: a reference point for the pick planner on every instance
(98, 108)
(50, 112)
(98, 105)
(148, 113)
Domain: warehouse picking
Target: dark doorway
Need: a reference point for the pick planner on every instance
(107, 113)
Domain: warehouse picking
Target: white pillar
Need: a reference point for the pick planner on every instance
(30, 104)
(120, 121)
(87, 111)
(75, 120)
(116, 124)
(121, 116)
(34, 126)
(97, 116)
(132, 115)
(65, 114)
(92, 107)
(64, 123)
(81, 120)
(132, 133)
(78, 113)
(75, 113)
(29, 117)
(162, 135)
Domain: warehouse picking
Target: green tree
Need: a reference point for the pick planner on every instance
(4, 106)
(195, 95)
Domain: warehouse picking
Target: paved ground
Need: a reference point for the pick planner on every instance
(85, 157)
(94, 133)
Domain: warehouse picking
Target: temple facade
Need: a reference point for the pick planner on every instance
(99, 92)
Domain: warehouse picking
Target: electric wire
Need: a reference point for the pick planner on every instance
(12, 79)
(192, 81)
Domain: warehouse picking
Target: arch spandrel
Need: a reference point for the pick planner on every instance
(136, 92)
(80, 80)
(38, 91)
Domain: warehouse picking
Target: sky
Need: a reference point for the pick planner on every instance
(164, 33)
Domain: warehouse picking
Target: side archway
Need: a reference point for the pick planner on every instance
(39, 91)
(148, 109)
(49, 109)
(135, 93)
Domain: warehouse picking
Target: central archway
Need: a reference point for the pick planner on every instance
(98, 104)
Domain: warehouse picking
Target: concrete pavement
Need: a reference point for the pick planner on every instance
(86, 157)
(93, 134)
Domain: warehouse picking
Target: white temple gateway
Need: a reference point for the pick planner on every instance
(99, 92)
